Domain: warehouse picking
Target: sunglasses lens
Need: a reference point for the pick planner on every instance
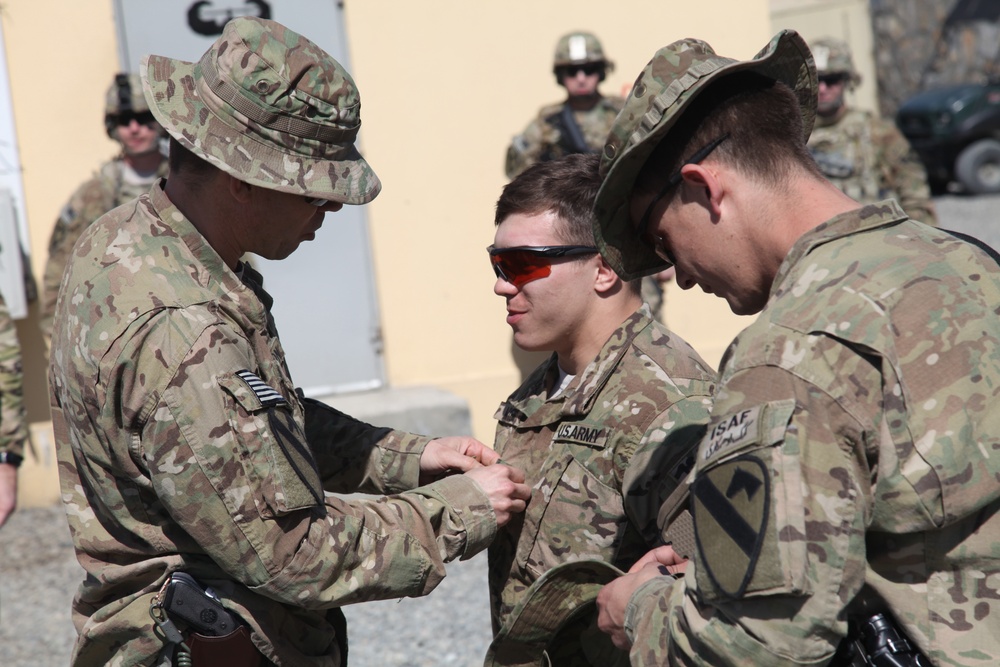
(519, 268)
(144, 118)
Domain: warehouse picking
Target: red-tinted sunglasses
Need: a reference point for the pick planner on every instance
(521, 264)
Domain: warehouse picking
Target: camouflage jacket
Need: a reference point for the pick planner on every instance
(601, 456)
(870, 160)
(106, 190)
(545, 138)
(852, 460)
(13, 422)
(183, 445)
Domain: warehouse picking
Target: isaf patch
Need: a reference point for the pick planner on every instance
(731, 503)
(732, 432)
(267, 396)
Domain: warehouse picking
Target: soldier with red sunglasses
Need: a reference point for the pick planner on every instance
(605, 428)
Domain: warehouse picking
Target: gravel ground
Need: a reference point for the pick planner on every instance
(39, 573)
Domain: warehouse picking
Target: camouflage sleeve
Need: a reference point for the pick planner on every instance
(903, 174)
(525, 149)
(13, 422)
(84, 207)
(664, 458)
(780, 509)
(236, 474)
(357, 457)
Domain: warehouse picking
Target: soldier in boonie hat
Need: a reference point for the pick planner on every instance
(269, 107)
(666, 88)
(164, 341)
(821, 485)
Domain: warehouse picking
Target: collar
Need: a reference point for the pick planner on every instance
(873, 216)
(531, 405)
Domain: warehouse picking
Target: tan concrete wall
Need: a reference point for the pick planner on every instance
(445, 85)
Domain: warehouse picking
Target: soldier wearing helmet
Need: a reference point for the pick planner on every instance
(187, 458)
(865, 156)
(578, 124)
(139, 164)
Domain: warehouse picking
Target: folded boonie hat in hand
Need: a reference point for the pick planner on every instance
(564, 595)
(269, 107)
(665, 88)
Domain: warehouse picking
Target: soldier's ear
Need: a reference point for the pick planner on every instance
(239, 190)
(605, 279)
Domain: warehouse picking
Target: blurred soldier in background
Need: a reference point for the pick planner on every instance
(13, 424)
(866, 157)
(579, 124)
(141, 163)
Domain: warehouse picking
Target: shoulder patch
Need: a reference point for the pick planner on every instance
(731, 504)
(732, 431)
(265, 394)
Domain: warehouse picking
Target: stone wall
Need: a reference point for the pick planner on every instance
(915, 50)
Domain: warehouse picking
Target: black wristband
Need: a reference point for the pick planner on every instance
(10, 458)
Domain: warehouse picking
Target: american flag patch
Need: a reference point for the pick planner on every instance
(263, 391)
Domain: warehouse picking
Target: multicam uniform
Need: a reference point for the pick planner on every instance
(869, 380)
(183, 446)
(13, 424)
(546, 139)
(106, 190)
(601, 457)
(868, 159)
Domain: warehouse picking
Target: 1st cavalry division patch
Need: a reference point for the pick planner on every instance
(731, 503)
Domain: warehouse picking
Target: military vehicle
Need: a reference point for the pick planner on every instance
(956, 132)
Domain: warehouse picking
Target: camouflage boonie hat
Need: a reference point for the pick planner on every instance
(561, 595)
(269, 107)
(833, 56)
(666, 87)
(580, 48)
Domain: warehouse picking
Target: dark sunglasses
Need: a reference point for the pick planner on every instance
(832, 79)
(589, 69)
(521, 264)
(672, 183)
(316, 201)
(143, 118)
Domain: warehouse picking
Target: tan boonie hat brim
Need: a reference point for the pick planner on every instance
(666, 87)
(269, 107)
(557, 597)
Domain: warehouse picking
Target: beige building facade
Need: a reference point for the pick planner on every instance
(445, 85)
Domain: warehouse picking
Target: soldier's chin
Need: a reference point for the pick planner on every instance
(827, 109)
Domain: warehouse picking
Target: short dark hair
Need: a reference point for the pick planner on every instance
(186, 165)
(763, 120)
(568, 187)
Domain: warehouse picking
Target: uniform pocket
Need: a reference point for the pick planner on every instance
(273, 449)
(580, 514)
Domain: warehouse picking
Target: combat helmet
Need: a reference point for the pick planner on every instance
(124, 96)
(580, 48)
(833, 56)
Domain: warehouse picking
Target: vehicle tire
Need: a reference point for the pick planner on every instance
(978, 167)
